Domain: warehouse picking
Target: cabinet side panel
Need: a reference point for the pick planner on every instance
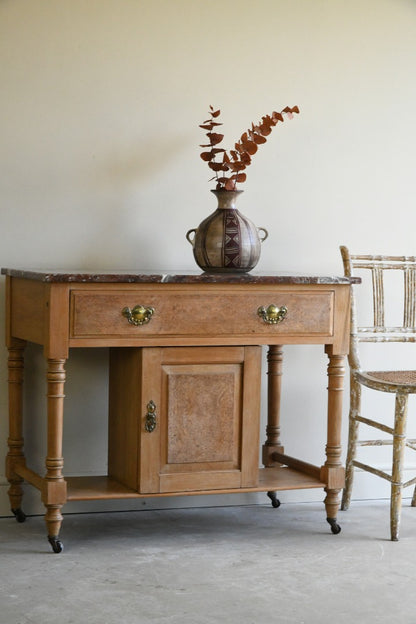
(27, 310)
(251, 417)
(124, 406)
(342, 319)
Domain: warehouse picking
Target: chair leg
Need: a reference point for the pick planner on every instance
(355, 407)
(414, 498)
(395, 511)
(399, 445)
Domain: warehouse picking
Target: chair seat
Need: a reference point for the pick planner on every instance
(388, 381)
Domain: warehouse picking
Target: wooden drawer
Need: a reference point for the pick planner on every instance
(99, 314)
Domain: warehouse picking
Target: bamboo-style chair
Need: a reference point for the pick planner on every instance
(400, 382)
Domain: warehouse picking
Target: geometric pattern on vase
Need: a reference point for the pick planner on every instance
(232, 239)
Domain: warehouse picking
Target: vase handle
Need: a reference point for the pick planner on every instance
(188, 236)
(266, 234)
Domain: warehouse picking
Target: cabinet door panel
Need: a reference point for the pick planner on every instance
(203, 404)
(201, 437)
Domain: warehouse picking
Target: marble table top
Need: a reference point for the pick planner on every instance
(174, 277)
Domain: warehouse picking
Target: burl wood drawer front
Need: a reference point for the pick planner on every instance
(99, 314)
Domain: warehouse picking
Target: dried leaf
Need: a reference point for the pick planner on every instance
(237, 166)
(287, 109)
(215, 138)
(207, 156)
(209, 125)
(230, 185)
(215, 166)
(245, 158)
(250, 147)
(241, 177)
(265, 129)
(277, 116)
(257, 138)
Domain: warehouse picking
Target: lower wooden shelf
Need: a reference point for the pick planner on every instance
(270, 479)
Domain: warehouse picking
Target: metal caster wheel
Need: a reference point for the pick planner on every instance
(57, 545)
(19, 514)
(335, 528)
(274, 499)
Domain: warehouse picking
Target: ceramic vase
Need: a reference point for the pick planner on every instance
(226, 241)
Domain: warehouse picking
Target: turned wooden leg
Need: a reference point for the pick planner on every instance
(399, 445)
(274, 389)
(355, 408)
(54, 490)
(15, 456)
(332, 472)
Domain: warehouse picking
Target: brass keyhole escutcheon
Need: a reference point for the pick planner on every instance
(150, 418)
(273, 314)
(139, 315)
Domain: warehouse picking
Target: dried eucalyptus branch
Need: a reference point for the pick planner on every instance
(237, 159)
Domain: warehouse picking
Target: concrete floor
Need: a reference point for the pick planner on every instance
(249, 565)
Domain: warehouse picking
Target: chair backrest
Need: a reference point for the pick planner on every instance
(381, 269)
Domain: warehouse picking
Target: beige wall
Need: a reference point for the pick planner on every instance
(100, 169)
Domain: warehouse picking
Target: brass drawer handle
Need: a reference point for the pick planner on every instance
(139, 315)
(150, 421)
(272, 314)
